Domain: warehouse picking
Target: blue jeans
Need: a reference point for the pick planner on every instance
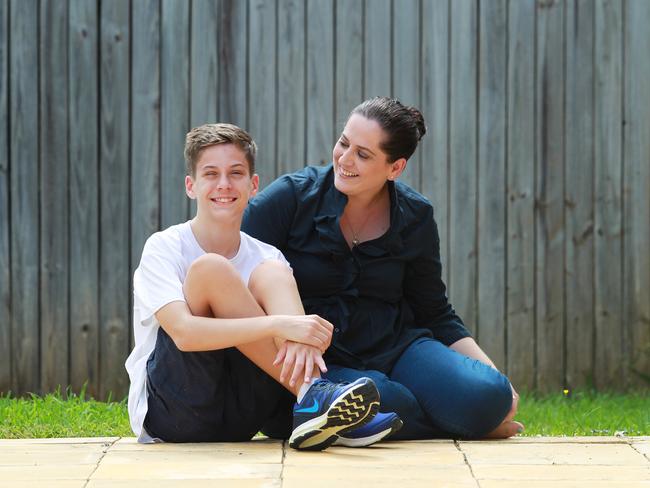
(438, 392)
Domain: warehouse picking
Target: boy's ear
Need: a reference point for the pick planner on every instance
(189, 187)
(255, 184)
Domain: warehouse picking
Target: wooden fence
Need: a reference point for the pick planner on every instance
(537, 160)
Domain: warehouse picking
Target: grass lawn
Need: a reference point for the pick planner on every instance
(577, 414)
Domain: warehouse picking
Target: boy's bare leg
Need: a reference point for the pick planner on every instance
(213, 288)
(275, 289)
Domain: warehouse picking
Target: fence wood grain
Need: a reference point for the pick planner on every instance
(233, 50)
(377, 55)
(114, 212)
(435, 108)
(84, 188)
(636, 197)
(348, 79)
(54, 213)
(406, 70)
(536, 160)
(262, 88)
(549, 197)
(492, 127)
(5, 223)
(520, 241)
(579, 193)
(291, 86)
(608, 219)
(321, 129)
(24, 200)
(174, 109)
(462, 159)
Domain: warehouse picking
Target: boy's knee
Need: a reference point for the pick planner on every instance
(270, 272)
(209, 264)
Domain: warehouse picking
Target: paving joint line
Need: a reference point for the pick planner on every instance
(631, 444)
(457, 444)
(107, 446)
(284, 455)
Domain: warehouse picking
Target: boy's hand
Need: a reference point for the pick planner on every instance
(300, 357)
(311, 330)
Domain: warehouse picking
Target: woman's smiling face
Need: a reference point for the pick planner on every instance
(360, 165)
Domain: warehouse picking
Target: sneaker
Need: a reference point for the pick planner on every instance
(329, 409)
(381, 426)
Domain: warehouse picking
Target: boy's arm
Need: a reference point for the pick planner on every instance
(192, 333)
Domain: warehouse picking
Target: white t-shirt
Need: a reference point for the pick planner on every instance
(158, 280)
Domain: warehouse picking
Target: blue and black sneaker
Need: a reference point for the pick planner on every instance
(330, 409)
(380, 427)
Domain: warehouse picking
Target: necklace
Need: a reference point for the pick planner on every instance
(356, 237)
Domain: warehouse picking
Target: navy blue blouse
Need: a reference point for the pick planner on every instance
(380, 295)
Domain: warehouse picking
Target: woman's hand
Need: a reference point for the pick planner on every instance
(311, 330)
(301, 358)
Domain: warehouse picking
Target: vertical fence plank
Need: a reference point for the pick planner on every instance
(175, 109)
(435, 108)
(204, 63)
(406, 70)
(84, 190)
(204, 71)
(579, 207)
(233, 37)
(145, 126)
(636, 204)
(349, 61)
(608, 238)
(291, 85)
(262, 94)
(377, 58)
(520, 157)
(54, 195)
(23, 113)
(549, 194)
(5, 257)
(114, 201)
(320, 82)
(462, 159)
(492, 179)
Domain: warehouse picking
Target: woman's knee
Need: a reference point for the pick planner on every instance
(491, 399)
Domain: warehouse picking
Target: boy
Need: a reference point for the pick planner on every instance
(216, 312)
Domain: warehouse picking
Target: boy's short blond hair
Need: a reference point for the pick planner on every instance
(212, 134)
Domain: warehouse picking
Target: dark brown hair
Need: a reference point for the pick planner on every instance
(404, 126)
(212, 134)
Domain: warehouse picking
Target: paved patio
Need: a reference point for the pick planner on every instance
(529, 462)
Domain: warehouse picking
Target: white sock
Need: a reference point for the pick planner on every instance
(303, 389)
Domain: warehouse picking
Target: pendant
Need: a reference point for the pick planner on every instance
(355, 242)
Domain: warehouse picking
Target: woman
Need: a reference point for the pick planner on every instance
(365, 253)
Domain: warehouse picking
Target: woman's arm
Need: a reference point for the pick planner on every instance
(270, 214)
(468, 347)
(424, 290)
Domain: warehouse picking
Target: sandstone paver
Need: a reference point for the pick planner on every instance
(506, 452)
(530, 462)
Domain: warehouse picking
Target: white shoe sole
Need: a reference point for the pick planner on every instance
(353, 408)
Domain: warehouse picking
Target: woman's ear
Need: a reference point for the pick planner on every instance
(396, 168)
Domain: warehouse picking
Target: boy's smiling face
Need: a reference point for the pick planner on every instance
(222, 183)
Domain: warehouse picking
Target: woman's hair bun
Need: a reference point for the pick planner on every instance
(418, 118)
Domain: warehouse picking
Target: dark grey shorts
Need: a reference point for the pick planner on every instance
(211, 396)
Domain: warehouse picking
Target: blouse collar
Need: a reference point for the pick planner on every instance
(327, 222)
